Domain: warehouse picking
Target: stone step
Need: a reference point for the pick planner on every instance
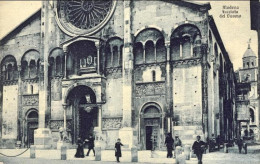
(250, 150)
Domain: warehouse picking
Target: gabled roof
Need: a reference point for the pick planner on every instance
(18, 28)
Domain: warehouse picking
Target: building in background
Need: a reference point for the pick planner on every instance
(255, 25)
(129, 69)
(249, 74)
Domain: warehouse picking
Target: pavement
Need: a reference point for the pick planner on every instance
(107, 157)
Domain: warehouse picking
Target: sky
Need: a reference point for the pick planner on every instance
(235, 32)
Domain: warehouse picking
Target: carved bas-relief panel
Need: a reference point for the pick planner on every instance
(111, 123)
(56, 124)
(31, 100)
(150, 89)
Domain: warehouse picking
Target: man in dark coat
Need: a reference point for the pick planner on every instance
(198, 148)
(90, 144)
(240, 144)
(118, 153)
(169, 144)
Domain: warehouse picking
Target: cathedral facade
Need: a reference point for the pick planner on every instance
(134, 70)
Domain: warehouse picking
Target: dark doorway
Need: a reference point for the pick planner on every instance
(151, 123)
(32, 124)
(84, 112)
(87, 122)
(149, 130)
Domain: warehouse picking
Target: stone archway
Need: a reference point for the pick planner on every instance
(83, 111)
(31, 125)
(151, 125)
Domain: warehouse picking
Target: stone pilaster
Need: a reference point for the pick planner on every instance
(205, 65)
(20, 111)
(42, 135)
(169, 98)
(97, 44)
(126, 133)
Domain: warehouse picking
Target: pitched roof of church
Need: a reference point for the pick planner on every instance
(37, 14)
(249, 52)
(18, 28)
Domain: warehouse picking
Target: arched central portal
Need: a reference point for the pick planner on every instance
(151, 126)
(83, 110)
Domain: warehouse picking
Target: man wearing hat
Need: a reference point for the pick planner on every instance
(198, 148)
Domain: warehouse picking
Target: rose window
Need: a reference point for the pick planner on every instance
(84, 16)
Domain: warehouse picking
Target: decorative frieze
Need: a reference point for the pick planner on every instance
(10, 82)
(115, 72)
(149, 65)
(31, 100)
(188, 62)
(56, 124)
(150, 89)
(111, 123)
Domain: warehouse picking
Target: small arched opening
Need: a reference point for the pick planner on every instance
(150, 125)
(32, 124)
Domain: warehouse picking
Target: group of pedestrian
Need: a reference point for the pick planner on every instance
(198, 146)
(171, 144)
(90, 141)
(81, 144)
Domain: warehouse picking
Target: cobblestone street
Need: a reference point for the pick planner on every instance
(53, 156)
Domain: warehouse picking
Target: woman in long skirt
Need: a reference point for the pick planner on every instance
(80, 149)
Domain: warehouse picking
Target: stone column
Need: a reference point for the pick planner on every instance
(65, 117)
(169, 98)
(97, 44)
(65, 50)
(126, 133)
(42, 135)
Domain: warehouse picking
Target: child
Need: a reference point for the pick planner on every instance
(118, 149)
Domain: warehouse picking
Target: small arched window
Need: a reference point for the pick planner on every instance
(153, 75)
(160, 51)
(175, 49)
(121, 55)
(186, 47)
(31, 89)
(149, 52)
(252, 115)
(33, 69)
(25, 70)
(108, 56)
(9, 72)
(139, 52)
(115, 56)
(58, 66)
